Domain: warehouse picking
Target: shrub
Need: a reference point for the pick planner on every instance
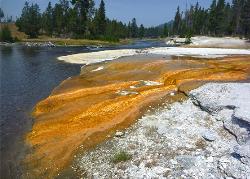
(188, 38)
(121, 156)
(5, 34)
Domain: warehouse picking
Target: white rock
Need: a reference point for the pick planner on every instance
(209, 135)
(172, 94)
(210, 159)
(119, 134)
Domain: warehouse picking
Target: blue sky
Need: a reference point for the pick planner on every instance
(147, 12)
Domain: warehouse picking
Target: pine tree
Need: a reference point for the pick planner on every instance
(22, 21)
(48, 19)
(220, 17)
(177, 22)
(236, 13)
(196, 17)
(245, 19)
(165, 30)
(227, 26)
(58, 19)
(134, 28)
(212, 18)
(72, 21)
(30, 20)
(129, 31)
(141, 31)
(85, 9)
(1, 14)
(101, 19)
(65, 14)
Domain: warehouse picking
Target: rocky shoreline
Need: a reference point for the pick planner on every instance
(206, 136)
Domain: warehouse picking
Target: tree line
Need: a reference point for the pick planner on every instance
(75, 19)
(80, 19)
(219, 20)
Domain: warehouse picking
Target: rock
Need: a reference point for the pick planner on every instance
(174, 162)
(244, 152)
(186, 161)
(215, 97)
(243, 113)
(210, 159)
(172, 94)
(209, 136)
(231, 99)
(232, 167)
(44, 44)
(119, 134)
(241, 133)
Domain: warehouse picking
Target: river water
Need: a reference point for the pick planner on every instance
(27, 76)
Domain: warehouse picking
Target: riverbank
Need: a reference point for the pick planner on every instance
(76, 42)
(109, 96)
(44, 40)
(53, 42)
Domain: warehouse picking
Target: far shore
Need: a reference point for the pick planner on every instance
(68, 42)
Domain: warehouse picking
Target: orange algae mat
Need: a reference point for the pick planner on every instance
(83, 110)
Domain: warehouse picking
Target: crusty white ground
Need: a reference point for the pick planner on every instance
(225, 42)
(211, 42)
(96, 57)
(170, 143)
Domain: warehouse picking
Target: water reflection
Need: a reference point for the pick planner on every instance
(27, 76)
(7, 50)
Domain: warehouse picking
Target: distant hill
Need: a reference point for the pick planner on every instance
(170, 24)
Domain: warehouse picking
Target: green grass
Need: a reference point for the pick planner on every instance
(121, 156)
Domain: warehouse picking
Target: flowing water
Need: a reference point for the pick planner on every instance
(27, 76)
